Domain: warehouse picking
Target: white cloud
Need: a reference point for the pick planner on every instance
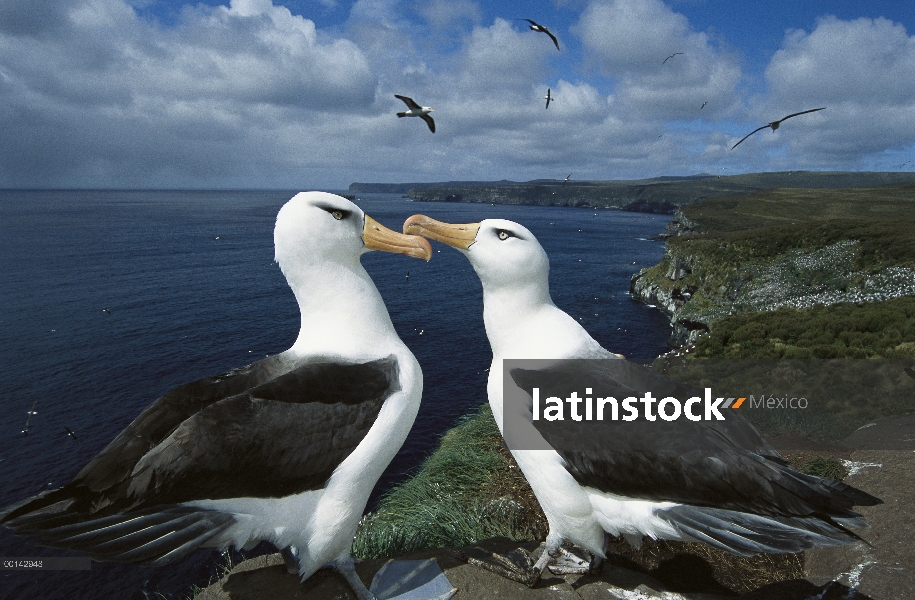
(629, 40)
(862, 71)
(870, 61)
(116, 98)
(249, 95)
(442, 14)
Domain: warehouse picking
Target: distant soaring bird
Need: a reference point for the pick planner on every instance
(28, 418)
(548, 97)
(538, 27)
(70, 432)
(670, 57)
(566, 180)
(106, 311)
(703, 105)
(775, 124)
(417, 111)
(284, 450)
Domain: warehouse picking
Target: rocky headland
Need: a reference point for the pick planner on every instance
(782, 249)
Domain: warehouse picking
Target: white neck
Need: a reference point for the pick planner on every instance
(524, 323)
(341, 311)
(509, 313)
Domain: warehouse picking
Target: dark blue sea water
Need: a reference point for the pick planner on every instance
(184, 305)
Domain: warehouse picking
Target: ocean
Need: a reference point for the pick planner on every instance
(112, 298)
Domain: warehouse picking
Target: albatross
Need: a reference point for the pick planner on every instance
(31, 412)
(717, 482)
(670, 57)
(285, 450)
(417, 111)
(534, 26)
(775, 124)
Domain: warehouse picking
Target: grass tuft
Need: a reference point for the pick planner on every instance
(468, 490)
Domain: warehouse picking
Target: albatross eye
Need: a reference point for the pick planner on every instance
(337, 214)
(503, 235)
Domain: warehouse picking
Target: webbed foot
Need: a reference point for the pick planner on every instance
(570, 561)
(516, 564)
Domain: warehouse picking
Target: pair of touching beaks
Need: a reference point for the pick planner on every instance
(416, 229)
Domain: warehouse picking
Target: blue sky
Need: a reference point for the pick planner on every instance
(300, 93)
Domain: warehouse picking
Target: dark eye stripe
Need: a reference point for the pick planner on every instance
(337, 213)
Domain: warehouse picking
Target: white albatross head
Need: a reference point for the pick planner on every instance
(316, 229)
(520, 317)
(504, 254)
(318, 239)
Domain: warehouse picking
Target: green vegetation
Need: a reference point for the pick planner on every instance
(870, 330)
(795, 205)
(470, 489)
(795, 248)
(819, 466)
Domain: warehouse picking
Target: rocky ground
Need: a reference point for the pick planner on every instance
(880, 459)
(265, 578)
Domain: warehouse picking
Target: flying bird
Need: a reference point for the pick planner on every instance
(31, 411)
(286, 449)
(538, 27)
(703, 105)
(712, 481)
(548, 97)
(670, 57)
(775, 124)
(417, 111)
(106, 311)
(566, 180)
(70, 432)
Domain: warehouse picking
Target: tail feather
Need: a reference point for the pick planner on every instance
(129, 533)
(401, 114)
(746, 534)
(152, 537)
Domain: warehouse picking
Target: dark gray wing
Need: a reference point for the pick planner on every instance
(552, 37)
(803, 112)
(748, 135)
(282, 436)
(429, 122)
(409, 102)
(723, 464)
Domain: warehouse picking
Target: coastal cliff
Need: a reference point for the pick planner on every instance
(784, 249)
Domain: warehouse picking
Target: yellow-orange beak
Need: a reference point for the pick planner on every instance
(456, 235)
(376, 236)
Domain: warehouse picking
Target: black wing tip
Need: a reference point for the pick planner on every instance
(408, 101)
